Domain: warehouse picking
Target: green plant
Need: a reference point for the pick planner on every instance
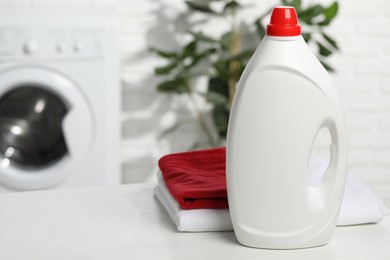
(223, 59)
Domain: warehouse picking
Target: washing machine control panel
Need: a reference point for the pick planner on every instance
(52, 43)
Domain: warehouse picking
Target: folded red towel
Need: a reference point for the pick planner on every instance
(196, 179)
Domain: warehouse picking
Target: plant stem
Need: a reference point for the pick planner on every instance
(199, 112)
(234, 50)
(202, 121)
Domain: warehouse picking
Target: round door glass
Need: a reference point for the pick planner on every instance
(31, 133)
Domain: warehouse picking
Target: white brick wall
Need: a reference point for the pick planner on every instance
(362, 30)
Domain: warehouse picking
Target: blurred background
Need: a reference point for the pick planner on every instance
(149, 118)
(362, 76)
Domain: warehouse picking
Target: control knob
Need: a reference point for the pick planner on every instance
(62, 47)
(30, 47)
(79, 47)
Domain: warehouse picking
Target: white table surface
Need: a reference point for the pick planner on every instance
(127, 222)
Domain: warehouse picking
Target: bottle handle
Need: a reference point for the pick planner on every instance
(332, 182)
(332, 185)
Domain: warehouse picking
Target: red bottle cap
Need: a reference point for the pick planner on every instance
(284, 22)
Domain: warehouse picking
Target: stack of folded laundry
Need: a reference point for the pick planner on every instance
(192, 188)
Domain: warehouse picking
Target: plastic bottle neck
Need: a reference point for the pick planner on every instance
(285, 38)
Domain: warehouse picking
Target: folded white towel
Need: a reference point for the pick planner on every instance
(193, 220)
(360, 205)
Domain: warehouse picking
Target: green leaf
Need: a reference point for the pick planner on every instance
(165, 69)
(310, 13)
(204, 8)
(198, 57)
(331, 11)
(327, 66)
(316, 10)
(226, 40)
(324, 51)
(306, 37)
(162, 53)
(176, 86)
(215, 98)
(330, 40)
(231, 5)
(222, 68)
(260, 29)
(297, 4)
(221, 119)
(218, 85)
(201, 37)
(189, 50)
(324, 22)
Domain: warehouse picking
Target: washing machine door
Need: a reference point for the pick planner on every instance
(46, 127)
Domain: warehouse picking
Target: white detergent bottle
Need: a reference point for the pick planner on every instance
(284, 98)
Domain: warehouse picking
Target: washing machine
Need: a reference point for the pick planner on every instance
(59, 99)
